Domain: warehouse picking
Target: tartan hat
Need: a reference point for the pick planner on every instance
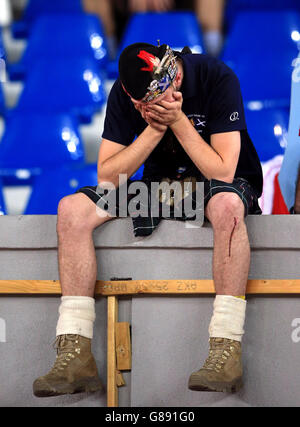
(146, 71)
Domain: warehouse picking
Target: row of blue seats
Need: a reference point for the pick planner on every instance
(261, 48)
(71, 49)
(234, 7)
(64, 86)
(65, 35)
(51, 185)
(35, 8)
(261, 58)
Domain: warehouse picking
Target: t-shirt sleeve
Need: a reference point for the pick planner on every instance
(118, 123)
(227, 110)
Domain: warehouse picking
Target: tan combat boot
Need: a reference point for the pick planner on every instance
(222, 370)
(74, 370)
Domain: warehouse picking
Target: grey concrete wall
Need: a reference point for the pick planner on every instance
(170, 341)
(169, 334)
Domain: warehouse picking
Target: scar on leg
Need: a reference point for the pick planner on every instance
(230, 239)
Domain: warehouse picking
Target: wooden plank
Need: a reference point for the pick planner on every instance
(162, 287)
(112, 317)
(166, 287)
(123, 346)
(120, 379)
(136, 287)
(30, 287)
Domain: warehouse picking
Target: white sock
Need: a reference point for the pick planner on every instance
(76, 316)
(213, 41)
(228, 318)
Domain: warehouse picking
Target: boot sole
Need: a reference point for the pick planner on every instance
(230, 387)
(80, 386)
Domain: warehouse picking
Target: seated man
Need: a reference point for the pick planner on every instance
(187, 113)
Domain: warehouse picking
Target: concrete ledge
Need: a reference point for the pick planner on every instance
(39, 232)
(29, 249)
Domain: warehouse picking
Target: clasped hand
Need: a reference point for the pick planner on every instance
(162, 114)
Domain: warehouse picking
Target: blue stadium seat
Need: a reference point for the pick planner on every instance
(2, 49)
(51, 186)
(2, 203)
(260, 49)
(35, 8)
(33, 141)
(234, 7)
(73, 85)
(150, 27)
(2, 63)
(2, 100)
(268, 130)
(138, 174)
(62, 36)
(2, 74)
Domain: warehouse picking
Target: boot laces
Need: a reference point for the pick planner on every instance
(67, 349)
(219, 353)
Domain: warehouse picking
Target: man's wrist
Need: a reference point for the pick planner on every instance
(178, 120)
(157, 130)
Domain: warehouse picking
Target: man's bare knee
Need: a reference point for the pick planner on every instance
(78, 213)
(225, 211)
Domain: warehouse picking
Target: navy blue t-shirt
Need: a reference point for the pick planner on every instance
(213, 103)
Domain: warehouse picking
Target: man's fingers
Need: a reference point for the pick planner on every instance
(163, 107)
(156, 108)
(177, 95)
(154, 116)
(169, 105)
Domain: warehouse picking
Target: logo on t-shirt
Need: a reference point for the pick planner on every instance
(198, 121)
(234, 116)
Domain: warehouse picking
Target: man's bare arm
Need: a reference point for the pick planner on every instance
(218, 160)
(115, 159)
